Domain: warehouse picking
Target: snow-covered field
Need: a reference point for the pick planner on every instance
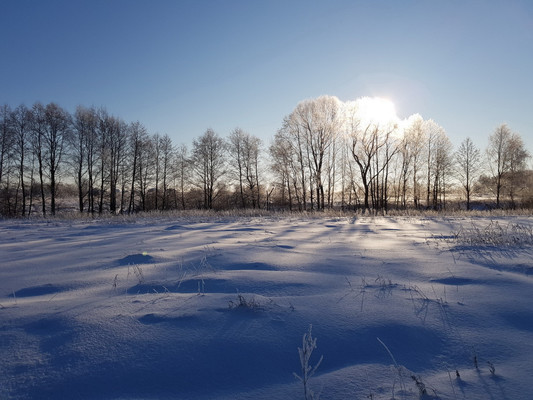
(216, 308)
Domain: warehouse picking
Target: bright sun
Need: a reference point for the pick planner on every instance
(377, 110)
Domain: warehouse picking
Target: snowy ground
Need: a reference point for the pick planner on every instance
(216, 308)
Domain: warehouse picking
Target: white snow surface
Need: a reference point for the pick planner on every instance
(216, 308)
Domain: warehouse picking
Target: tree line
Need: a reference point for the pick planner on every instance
(326, 154)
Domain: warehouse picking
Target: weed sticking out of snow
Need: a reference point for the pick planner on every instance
(494, 234)
(201, 287)
(510, 235)
(402, 372)
(422, 391)
(399, 369)
(307, 370)
(492, 369)
(138, 272)
(495, 244)
(380, 287)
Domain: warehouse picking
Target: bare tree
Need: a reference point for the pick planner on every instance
(5, 138)
(243, 150)
(411, 149)
(362, 147)
(57, 131)
(515, 178)
(6, 146)
(282, 162)
(253, 154)
(497, 154)
(146, 165)
(438, 153)
(165, 161)
(382, 160)
(123, 167)
(236, 155)
(440, 161)
(88, 123)
(20, 124)
(403, 171)
(137, 136)
(468, 159)
(51, 127)
(83, 153)
(112, 140)
(209, 165)
(103, 156)
(319, 121)
(431, 130)
(38, 130)
(182, 174)
(118, 138)
(372, 147)
(506, 155)
(292, 136)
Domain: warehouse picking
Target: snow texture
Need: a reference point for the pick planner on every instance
(400, 307)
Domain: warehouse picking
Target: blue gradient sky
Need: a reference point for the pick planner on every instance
(180, 67)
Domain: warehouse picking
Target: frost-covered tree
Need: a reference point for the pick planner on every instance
(282, 166)
(412, 155)
(506, 156)
(372, 145)
(516, 179)
(497, 155)
(309, 135)
(442, 160)
(468, 165)
(290, 147)
(439, 161)
(319, 121)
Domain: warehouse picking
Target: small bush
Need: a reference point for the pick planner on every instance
(244, 303)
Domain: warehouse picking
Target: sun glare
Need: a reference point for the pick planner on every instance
(377, 110)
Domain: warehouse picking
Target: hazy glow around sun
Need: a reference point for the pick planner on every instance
(377, 110)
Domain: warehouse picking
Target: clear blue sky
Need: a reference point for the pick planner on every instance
(180, 67)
